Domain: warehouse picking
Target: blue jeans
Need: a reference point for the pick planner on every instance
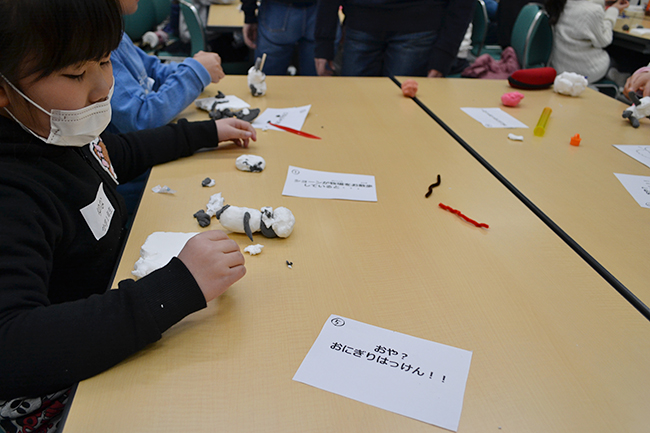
(281, 27)
(386, 53)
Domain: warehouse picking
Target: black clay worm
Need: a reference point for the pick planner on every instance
(433, 185)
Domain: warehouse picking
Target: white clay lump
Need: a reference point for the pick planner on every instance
(254, 249)
(252, 163)
(158, 250)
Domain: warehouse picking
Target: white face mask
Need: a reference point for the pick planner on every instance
(72, 127)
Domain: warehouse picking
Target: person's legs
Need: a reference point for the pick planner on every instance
(362, 53)
(408, 53)
(307, 43)
(277, 35)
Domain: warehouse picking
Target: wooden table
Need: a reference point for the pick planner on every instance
(625, 39)
(225, 17)
(554, 348)
(574, 186)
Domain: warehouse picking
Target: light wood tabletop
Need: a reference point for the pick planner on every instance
(225, 17)
(626, 38)
(554, 347)
(574, 186)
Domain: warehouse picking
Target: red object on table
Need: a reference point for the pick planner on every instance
(294, 131)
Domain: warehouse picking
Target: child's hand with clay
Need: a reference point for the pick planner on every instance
(214, 260)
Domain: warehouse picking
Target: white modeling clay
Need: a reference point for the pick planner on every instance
(278, 223)
(163, 189)
(215, 203)
(158, 250)
(638, 110)
(254, 249)
(232, 219)
(516, 137)
(229, 101)
(256, 81)
(570, 83)
(281, 221)
(250, 163)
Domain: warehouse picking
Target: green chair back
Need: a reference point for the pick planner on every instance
(532, 37)
(142, 21)
(194, 26)
(162, 9)
(479, 27)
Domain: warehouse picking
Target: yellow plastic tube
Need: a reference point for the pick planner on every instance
(540, 129)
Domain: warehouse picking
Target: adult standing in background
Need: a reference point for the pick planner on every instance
(278, 27)
(507, 13)
(392, 37)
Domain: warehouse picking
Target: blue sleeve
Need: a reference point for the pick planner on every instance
(149, 93)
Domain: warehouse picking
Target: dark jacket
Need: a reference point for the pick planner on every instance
(58, 322)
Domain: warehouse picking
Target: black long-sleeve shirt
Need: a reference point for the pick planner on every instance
(448, 18)
(58, 322)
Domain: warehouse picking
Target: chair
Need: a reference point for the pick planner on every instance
(196, 30)
(194, 26)
(142, 21)
(161, 8)
(150, 14)
(532, 37)
(609, 88)
(479, 28)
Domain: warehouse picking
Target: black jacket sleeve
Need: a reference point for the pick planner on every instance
(458, 14)
(47, 346)
(135, 152)
(327, 17)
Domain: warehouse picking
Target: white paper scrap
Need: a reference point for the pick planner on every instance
(640, 153)
(230, 101)
(493, 118)
(639, 32)
(637, 186)
(407, 375)
(290, 117)
(302, 182)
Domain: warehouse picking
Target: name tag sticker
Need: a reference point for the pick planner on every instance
(99, 213)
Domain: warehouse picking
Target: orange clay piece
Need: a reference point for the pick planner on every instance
(410, 88)
(575, 140)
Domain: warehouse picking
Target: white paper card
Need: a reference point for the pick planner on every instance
(410, 376)
(99, 213)
(640, 153)
(637, 186)
(230, 101)
(493, 118)
(302, 182)
(290, 117)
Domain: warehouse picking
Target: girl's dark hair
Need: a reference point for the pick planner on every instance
(44, 36)
(554, 9)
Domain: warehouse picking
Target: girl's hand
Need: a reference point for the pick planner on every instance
(215, 262)
(638, 82)
(235, 130)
